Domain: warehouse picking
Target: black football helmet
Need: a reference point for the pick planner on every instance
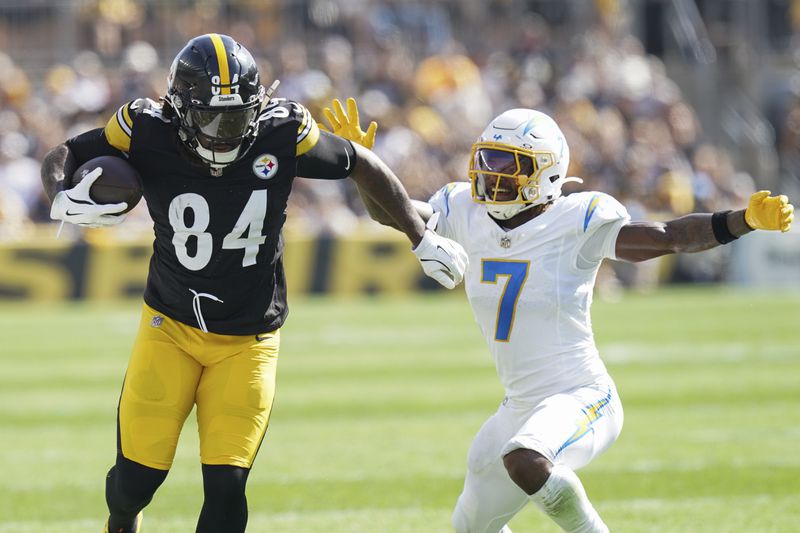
(216, 95)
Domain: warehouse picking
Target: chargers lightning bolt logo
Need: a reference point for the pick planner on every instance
(529, 126)
(592, 413)
(595, 201)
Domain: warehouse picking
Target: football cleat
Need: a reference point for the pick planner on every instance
(137, 525)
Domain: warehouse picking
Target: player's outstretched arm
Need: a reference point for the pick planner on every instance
(640, 241)
(442, 259)
(377, 183)
(347, 124)
(388, 203)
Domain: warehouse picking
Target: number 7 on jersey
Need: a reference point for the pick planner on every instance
(517, 273)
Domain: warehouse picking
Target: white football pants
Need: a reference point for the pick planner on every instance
(571, 428)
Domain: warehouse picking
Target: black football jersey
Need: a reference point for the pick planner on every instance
(217, 255)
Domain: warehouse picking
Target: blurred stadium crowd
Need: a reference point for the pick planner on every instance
(420, 69)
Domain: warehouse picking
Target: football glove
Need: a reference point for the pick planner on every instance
(77, 207)
(769, 212)
(345, 124)
(442, 259)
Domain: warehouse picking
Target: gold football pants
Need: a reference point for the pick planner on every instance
(173, 366)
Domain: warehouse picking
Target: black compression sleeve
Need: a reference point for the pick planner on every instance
(89, 145)
(332, 158)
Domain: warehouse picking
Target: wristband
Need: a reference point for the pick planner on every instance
(719, 225)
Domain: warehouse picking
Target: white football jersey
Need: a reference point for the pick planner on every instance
(529, 291)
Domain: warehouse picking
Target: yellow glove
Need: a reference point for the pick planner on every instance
(346, 124)
(769, 212)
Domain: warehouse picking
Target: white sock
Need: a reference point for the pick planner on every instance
(563, 499)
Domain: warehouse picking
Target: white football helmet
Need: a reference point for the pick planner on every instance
(520, 161)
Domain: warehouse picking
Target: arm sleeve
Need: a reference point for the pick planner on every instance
(332, 157)
(91, 144)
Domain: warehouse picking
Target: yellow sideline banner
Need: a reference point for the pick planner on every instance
(370, 261)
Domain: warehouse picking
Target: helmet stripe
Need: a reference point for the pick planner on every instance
(222, 61)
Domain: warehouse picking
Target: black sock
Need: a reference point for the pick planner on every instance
(225, 503)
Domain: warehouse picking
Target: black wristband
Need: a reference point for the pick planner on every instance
(719, 225)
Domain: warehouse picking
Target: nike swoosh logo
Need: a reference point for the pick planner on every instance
(263, 336)
(347, 166)
(446, 270)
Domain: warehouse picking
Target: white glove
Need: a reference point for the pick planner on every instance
(442, 259)
(76, 206)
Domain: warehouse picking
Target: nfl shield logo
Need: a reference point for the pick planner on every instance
(265, 166)
(157, 321)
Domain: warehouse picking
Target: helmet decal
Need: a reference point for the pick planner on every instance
(223, 81)
(529, 126)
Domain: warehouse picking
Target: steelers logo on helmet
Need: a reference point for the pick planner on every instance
(265, 166)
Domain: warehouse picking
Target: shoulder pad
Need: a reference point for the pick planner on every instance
(119, 129)
(280, 111)
(443, 199)
(599, 209)
(148, 106)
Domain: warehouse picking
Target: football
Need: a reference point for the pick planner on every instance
(119, 181)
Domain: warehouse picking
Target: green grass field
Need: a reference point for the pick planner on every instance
(379, 399)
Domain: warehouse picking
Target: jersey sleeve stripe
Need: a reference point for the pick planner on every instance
(124, 119)
(304, 123)
(119, 129)
(307, 133)
(590, 211)
(447, 190)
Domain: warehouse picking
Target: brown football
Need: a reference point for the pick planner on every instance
(119, 181)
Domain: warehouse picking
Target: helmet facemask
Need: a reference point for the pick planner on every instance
(219, 133)
(506, 178)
